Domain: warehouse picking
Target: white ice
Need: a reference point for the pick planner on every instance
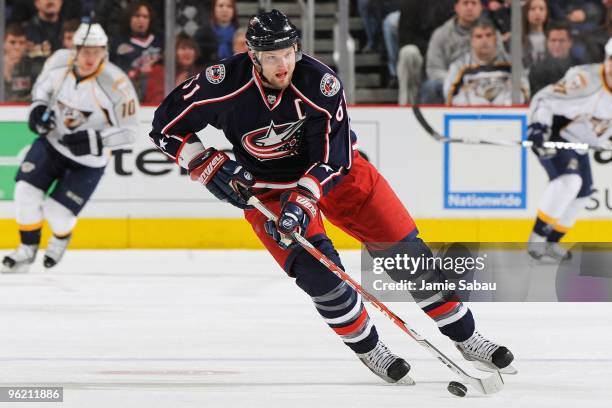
(229, 329)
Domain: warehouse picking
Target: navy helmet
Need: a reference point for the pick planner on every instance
(269, 31)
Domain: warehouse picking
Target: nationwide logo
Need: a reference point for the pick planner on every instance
(274, 141)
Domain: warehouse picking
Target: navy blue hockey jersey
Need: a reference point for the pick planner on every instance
(301, 133)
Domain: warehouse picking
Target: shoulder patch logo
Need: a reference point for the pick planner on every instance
(329, 85)
(215, 73)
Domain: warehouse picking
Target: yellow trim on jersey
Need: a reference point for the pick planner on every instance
(561, 228)
(546, 218)
(30, 227)
(606, 86)
(121, 233)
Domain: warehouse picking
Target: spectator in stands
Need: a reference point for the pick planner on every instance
(535, 19)
(139, 48)
(598, 38)
(448, 43)
(482, 76)
(18, 75)
(111, 14)
(43, 29)
(187, 53)
(558, 58)
(24, 10)
(68, 29)
(416, 22)
(216, 38)
(372, 14)
(500, 12)
(239, 44)
(583, 15)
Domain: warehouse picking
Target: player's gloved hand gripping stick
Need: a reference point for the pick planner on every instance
(488, 385)
(221, 176)
(538, 133)
(41, 120)
(298, 207)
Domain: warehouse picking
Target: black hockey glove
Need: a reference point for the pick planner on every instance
(83, 142)
(298, 208)
(222, 176)
(538, 134)
(41, 121)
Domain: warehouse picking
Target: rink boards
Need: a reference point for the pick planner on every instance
(456, 192)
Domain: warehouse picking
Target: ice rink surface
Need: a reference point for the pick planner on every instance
(228, 329)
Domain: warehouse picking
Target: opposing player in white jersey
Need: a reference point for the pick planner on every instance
(576, 109)
(83, 107)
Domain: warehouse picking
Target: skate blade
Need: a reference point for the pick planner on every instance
(406, 380)
(490, 368)
(15, 269)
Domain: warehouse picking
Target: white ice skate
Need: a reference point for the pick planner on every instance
(55, 250)
(19, 261)
(387, 365)
(486, 355)
(550, 251)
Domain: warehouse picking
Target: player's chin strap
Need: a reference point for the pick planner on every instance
(488, 385)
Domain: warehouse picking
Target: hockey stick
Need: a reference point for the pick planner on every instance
(512, 143)
(488, 385)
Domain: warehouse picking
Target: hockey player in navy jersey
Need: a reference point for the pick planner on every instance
(286, 117)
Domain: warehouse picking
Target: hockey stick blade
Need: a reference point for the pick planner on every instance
(508, 143)
(425, 125)
(488, 385)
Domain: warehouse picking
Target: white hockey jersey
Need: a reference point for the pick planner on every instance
(105, 101)
(578, 108)
(470, 82)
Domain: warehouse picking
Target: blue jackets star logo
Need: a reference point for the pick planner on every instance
(274, 141)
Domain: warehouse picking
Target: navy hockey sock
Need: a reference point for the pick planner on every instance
(542, 228)
(453, 318)
(31, 237)
(343, 310)
(339, 304)
(555, 236)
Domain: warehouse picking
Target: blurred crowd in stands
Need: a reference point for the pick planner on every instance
(206, 30)
(458, 51)
(438, 51)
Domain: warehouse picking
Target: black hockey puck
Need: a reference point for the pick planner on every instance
(457, 389)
